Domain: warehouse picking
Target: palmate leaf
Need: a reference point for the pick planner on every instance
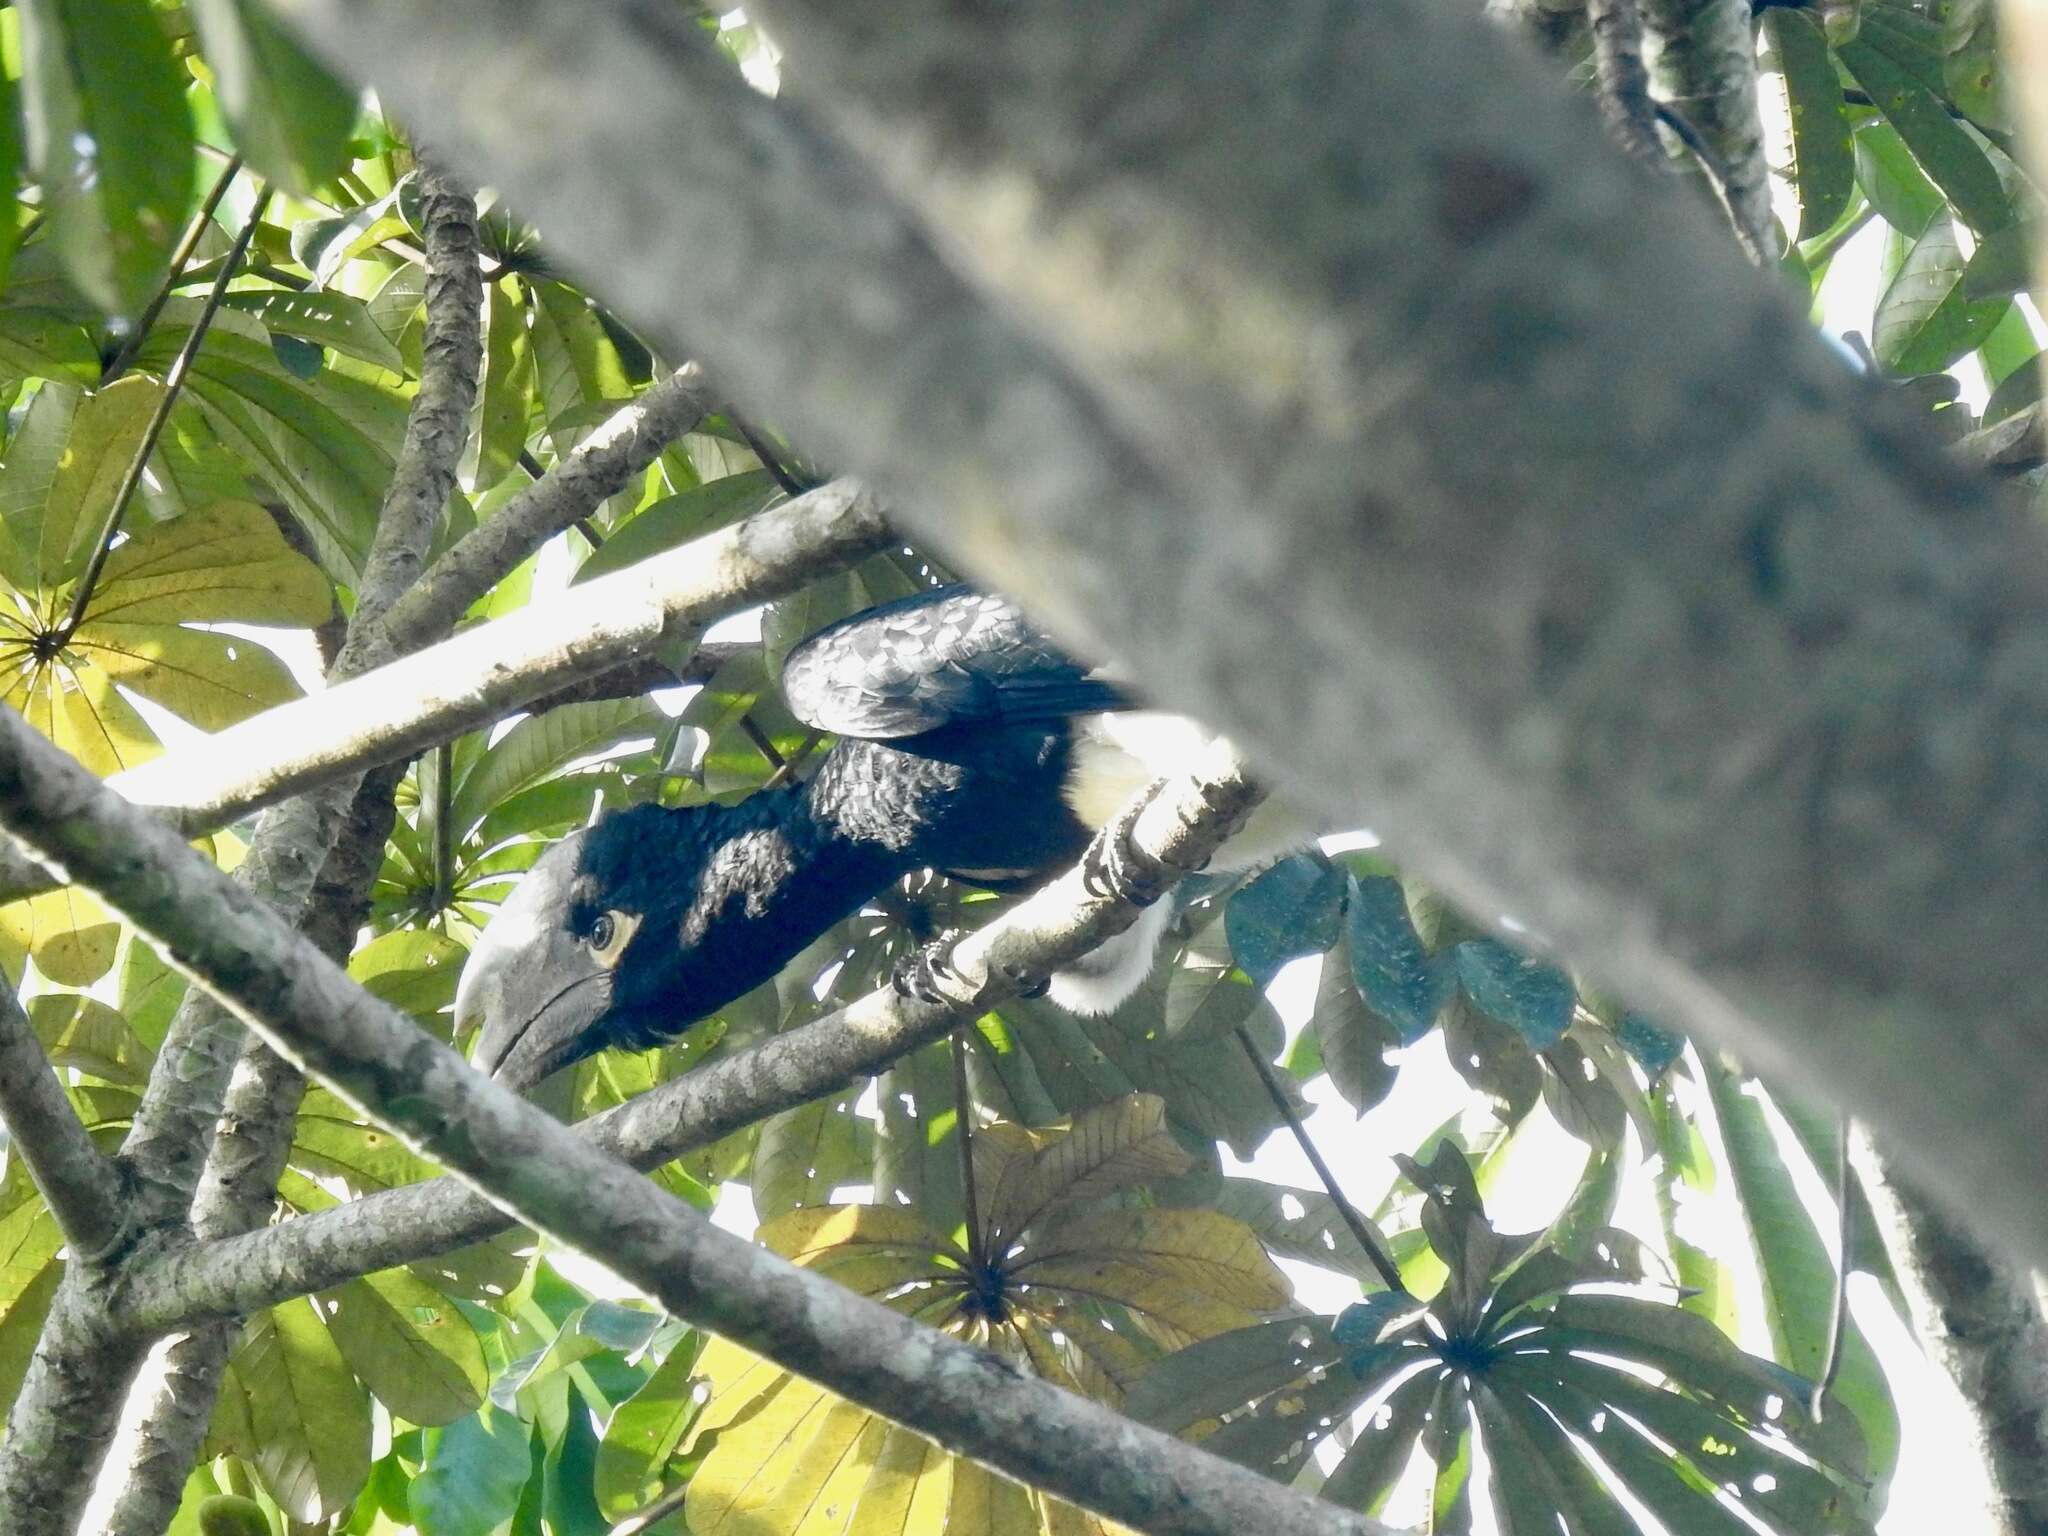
(409, 1345)
(1082, 1301)
(1515, 1356)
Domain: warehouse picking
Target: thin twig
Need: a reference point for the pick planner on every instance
(963, 1114)
(174, 381)
(1369, 1240)
(187, 244)
(1838, 1312)
(795, 761)
(654, 1513)
(751, 729)
(791, 486)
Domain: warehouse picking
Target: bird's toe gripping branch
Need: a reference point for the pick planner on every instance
(1114, 866)
(928, 975)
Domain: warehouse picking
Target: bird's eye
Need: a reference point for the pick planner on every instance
(609, 934)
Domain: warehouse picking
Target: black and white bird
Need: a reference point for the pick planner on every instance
(968, 744)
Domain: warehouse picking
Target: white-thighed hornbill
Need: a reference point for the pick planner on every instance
(968, 744)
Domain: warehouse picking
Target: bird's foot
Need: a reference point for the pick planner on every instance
(1115, 866)
(927, 974)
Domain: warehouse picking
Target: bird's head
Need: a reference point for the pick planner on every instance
(629, 931)
(585, 954)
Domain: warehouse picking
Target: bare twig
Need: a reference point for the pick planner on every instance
(173, 384)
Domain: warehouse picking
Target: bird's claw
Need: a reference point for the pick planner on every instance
(927, 975)
(1116, 867)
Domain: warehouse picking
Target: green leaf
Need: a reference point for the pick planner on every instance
(643, 1434)
(1823, 158)
(577, 364)
(1379, 1455)
(84, 1033)
(2001, 264)
(410, 1345)
(308, 1419)
(1351, 1040)
(504, 405)
(470, 1482)
(41, 344)
(1893, 181)
(22, 1324)
(1294, 908)
(673, 520)
(1941, 146)
(1926, 321)
(1797, 1274)
(110, 139)
(291, 118)
(11, 154)
(229, 1514)
(807, 1152)
(1969, 61)
(1528, 996)
(1300, 1224)
(330, 319)
(2018, 390)
(1216, 1376)
(1400, 980)
(541, 745)
(1494, 1060)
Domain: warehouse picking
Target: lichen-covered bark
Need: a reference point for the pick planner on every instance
(1552, 543)
(1979, 1319)
(1702, 60)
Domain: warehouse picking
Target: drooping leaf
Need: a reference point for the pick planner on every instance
(1797, 1274)
(1823, 159)
(1518, 991)
(410, 1345)
(308, 1419)
(1926, 320)
(1398, 977)
(291, 118)
(1944, 150)
(110, 140)
(472, 1477)
(643, 1434)
(1351, 1039)
(504, 405)
(1294, 908)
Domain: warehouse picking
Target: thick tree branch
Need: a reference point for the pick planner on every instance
(79, 1183)
(1059, 923)
(1818, 851)
(1981, 1322)
(545, 1174)
(635, 620)
(598, 468)
(1702, 59)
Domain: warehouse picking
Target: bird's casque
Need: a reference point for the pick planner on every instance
(969, 744)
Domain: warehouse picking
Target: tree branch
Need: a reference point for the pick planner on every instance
(1702, 60)
(631, 439)
(1804, 854)
(1055, 926)
(625, 620)
(79, 1183)
(542, 1172)
(1981, 1323)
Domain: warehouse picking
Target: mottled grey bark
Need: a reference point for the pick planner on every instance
(542, 1172)
(1980, 1321)
(1702, 59)
(1552, 543)
(78, 1182)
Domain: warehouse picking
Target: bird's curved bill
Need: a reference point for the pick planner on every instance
(536, 998)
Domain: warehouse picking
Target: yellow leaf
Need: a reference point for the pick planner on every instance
(101, 729)
(104, 433)
(1205, 1251)
(69, 932)
(210, 679)
(224, 562)
(1106, 1148)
